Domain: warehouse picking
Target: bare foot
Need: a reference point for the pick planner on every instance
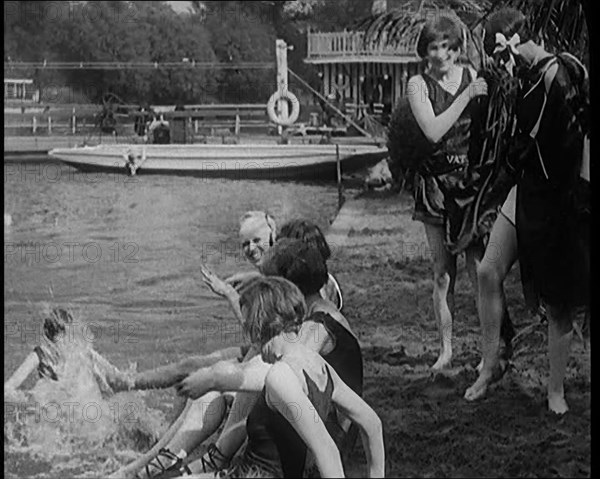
(479, 387)
(557, 404)
(443, 362)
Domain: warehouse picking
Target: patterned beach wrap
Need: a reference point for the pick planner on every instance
(472, 204)
(406, 143)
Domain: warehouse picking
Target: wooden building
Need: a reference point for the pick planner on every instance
(369, 73)
(20, 89)
(357, 74)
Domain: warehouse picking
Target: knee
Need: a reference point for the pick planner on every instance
(441, 280)
(488, 275)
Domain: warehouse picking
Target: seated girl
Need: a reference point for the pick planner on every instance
(300, 388)
(326, 331)
(309, 232)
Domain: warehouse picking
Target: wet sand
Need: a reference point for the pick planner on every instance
(382, 263)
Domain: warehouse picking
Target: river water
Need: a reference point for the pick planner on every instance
(123, 254)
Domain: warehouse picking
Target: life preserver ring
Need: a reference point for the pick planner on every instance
(281, 95)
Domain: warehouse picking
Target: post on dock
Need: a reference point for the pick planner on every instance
(237, 125)
(49, 125)
(282, 79)
(34, 124)
(340, 186)
(73, 123)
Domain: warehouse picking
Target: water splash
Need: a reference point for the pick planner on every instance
(75, 426)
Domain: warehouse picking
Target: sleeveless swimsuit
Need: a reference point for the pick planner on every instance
(447, 165)
(274, 448)
(346, 360)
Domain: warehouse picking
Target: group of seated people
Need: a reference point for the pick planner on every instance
(292, 393)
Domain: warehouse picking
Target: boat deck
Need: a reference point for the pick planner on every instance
(20, 148)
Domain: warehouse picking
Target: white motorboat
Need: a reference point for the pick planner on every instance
(241, 161)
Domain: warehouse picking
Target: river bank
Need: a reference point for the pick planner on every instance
(126, 261)
(381, 260)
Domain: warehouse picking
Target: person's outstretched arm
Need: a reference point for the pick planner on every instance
(27, 367)
(170, 374)
(284, 394)
(435, 127)
(223, 289)
(354, 407)
(248, 376)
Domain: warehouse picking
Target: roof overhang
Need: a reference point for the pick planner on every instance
(364, 59)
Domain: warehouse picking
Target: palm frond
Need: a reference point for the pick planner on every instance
(560, 23)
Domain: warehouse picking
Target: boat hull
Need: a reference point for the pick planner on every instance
(269, 162)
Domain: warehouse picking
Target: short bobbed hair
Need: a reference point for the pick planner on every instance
(507, 21)
(442, 27)
(271, 306)
(308, 232)
(297, 261)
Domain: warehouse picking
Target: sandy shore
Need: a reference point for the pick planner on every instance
(383, 266)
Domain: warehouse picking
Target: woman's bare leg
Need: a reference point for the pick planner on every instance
(560, 333)
(474, 256)
(201, 420)
(234, 432)
(444, 275)
(500, 254)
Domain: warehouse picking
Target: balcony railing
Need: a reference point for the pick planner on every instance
(351, 44)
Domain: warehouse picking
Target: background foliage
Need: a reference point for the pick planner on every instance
(149, 31)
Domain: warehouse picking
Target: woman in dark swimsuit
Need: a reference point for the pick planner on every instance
(325, 331)
(272, 445)
(230, 375)
(440, 101)
(309, 232)
(550, 231)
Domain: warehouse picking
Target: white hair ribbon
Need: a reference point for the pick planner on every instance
(502, 43)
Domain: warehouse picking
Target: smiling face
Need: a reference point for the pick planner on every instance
(256, 237)
(441, 57)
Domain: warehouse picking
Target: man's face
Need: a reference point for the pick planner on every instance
(256, 237)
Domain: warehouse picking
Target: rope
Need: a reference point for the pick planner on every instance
(138, 65)
(130, 469)
(339, 112)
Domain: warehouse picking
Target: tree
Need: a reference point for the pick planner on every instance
(243, 32)
(152, 32)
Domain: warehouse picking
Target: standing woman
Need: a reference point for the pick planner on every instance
(551, 225)
(439, 101)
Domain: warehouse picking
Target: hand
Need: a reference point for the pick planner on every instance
(216, 284)
(237, 280)
(192, 386)
(477, 87)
